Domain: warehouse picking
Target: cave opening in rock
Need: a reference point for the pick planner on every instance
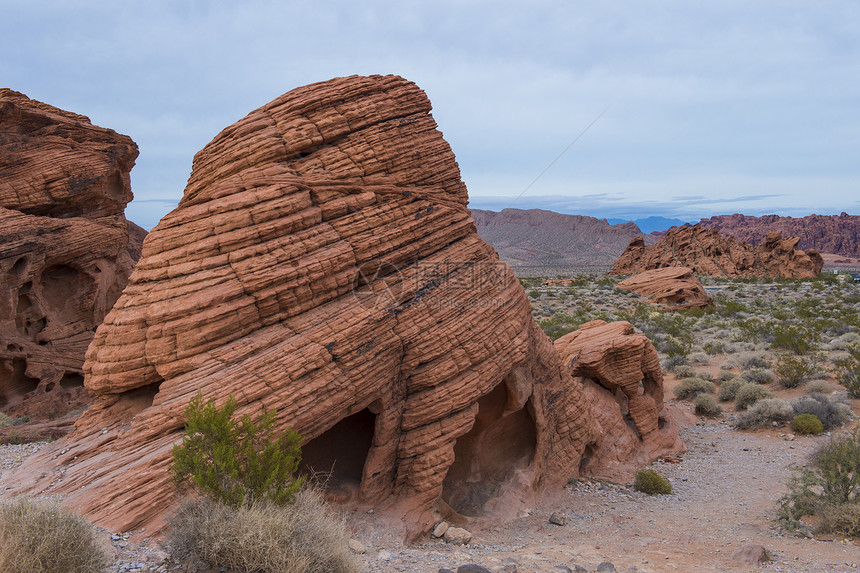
(336, 457)
(14, 382)
(72, 380)
(499, 443)
(63, 283)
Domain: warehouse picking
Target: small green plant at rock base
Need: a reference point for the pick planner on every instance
(692, 387)
(6, 421)
(235, 462)
(652, 483)
(37, 536)
(807, 424)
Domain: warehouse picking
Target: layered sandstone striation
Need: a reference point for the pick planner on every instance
(65, 252)
(707, 252)
(674, 288)
(323, 263)
(837, 234)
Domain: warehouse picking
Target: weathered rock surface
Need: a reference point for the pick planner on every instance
(65, 252)
(323, 262)
(838, 234)
(672, 287)
(620, 371)
(707, 252)
(527, 238)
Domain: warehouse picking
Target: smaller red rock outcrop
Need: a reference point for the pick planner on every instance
(707, 252)
(672, 287)
(621, 374)
(65, 252)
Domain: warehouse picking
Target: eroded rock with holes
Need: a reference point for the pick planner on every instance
(323, 262)
(706, 252)
(65, 254)
(671, 287)
(621, 374)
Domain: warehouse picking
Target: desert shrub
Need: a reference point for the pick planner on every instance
(827, 487)
(692, 387)
(748, 360)
(764, 412)
(749, 394)
(842, 519)
(38, 536)
(714, 347)
(236, 461)
(817, 387)
(534, 294)
(848, 371)
(684, 371)
(6, 421)
(261, 537)
(670, 363)
(699, 358)
(729, 388)
(707, 406)
(673, 346)
(830, 413)
(758, 375)
(725, 374)
(652, 483)
(798, 339)
(791, 370)
(807, 424)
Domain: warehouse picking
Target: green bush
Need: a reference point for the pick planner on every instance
(707, 406)
(236, 462)
(798, 339)
(692, 387)
(807, 424)
(303, 537)
(652, 483)
(729, 388)
(749, 394)
(40, 537)
(765, 412)
(848, 371)
(6, 421)
(791, 370)
(828, 487)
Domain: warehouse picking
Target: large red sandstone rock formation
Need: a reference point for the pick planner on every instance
(323, 262)
(672, 287)
(707, 252)
(65, 254)
(839, 234)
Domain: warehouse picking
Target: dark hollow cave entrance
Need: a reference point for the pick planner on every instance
(336, 457)
(14, 382)
(487, 456)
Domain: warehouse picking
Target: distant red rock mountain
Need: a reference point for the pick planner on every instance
(539, 238)
(837, 234)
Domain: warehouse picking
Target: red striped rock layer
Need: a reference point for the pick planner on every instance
(64, 249)
(671, 287)
(323, 263)
(706, 252)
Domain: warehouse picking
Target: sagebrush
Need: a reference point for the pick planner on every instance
(652, 483)
(38, 536)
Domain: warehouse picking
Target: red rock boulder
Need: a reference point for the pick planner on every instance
(671, 287)
(706, 252)
(65, 252)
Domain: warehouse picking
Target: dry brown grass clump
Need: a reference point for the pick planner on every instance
(38, 536)
(302, 537)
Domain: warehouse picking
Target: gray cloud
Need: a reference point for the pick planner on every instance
(747, 105)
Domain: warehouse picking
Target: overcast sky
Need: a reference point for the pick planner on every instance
(681, 109)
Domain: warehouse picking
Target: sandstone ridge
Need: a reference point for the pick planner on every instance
(65, 251)
(707, 252)
(323, 263)
(671, 287)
